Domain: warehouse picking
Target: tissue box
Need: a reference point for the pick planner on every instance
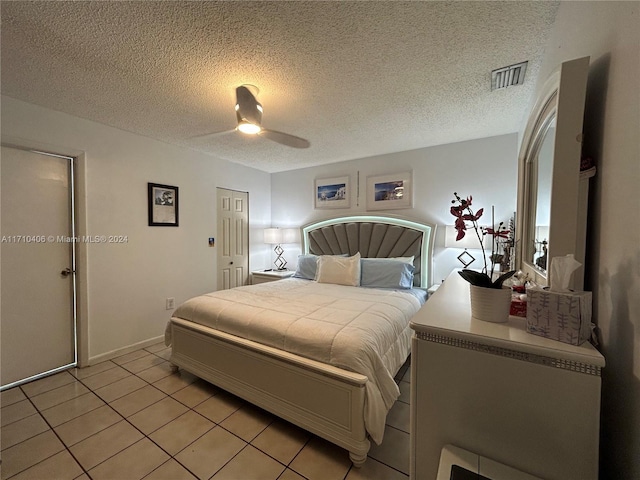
(563, 316)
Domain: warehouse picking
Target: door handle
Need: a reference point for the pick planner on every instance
(230, 263)
(66, 272)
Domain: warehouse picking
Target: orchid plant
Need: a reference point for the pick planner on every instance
(467, 219)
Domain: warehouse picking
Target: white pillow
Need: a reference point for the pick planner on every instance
(339, 270)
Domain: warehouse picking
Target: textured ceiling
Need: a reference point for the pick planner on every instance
(354, 78)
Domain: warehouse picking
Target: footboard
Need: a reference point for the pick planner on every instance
(322, 399)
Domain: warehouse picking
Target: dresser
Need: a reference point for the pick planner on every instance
(495, 390)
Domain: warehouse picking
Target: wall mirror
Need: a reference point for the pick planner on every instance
(552, 194)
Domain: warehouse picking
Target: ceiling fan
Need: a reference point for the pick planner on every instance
(249, 115)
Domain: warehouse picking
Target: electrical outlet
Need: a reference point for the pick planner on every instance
(171, 303)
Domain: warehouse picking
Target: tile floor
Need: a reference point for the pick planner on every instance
(132, 418)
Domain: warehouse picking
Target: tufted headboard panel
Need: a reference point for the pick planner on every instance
(374, 237)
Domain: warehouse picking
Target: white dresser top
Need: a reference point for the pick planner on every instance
(447, 313)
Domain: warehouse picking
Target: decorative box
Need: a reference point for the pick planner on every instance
(563, 316)
(518, 306)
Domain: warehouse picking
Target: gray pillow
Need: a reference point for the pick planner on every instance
(385, 273)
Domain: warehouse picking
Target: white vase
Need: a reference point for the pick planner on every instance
(490, 304)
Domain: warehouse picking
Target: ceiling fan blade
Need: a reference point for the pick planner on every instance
(212, 134)
(248, 108)
(285, 138)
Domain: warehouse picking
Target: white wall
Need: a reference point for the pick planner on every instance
(128, 283)
(609, 32)
(485, 169)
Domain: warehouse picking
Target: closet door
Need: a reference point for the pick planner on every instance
(233, 238)
(37, 265)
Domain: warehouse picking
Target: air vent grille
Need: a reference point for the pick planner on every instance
(508, 76)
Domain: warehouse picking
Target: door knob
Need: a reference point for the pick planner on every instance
(66, 272)
(230, 263)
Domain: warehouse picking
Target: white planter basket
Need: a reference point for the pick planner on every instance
(490, 304)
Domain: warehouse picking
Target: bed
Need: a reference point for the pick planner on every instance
(262, 342)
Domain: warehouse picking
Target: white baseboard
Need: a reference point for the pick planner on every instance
(123, 351)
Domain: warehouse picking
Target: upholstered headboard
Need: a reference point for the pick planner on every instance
(374, 237)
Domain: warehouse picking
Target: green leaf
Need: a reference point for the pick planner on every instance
(498, 283)
(476, 278)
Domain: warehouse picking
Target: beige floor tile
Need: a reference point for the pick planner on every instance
(374, 470)
(130, 357)
(60, 466)
(219, 407)
(21, 430)
(405, 392)
(398, 416)
(104, 444)
(11, 396)
(156, 348)
(84, 426)
(157, 415)
(120, 388)
(250, 464)
(248, 422)
(45, 384)
(394, 450)
(71, 409)
(175, 382)
(137, 400)
(84, 476)
(85, 372)
(196, 393)
(16, 411)
(321, 460)
(282, 440)
(133, 463)
(59, 395)
(165, 353)
(157, 372)
(290, 475)
(182, 431)
(105, 378)
(209, 453)
(170, 470)
(30, 452)
(142, 363)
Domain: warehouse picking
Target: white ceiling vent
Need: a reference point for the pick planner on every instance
(508, 76)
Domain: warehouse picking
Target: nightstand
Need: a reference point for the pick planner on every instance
(262, 276)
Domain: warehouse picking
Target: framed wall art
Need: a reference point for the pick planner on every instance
(163, 205)
(386, 192)
(332, 192)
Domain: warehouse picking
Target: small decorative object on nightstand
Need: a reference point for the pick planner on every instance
(262, 276)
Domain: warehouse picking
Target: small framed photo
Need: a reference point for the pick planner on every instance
(332, 192)
(163, 205)
(386, 192)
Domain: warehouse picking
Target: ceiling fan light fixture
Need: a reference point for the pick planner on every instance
(248, 127)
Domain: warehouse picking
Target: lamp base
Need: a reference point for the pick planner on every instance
(279, 262)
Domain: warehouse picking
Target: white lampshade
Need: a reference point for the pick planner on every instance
(276, 235)
(470, 240)
(272, 235)
(290, 235)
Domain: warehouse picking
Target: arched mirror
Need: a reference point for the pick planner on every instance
(552, 198)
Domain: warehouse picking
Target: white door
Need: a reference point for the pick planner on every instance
(37, 278)
(233, 238)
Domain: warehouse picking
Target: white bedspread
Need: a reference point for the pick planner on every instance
(359, 329)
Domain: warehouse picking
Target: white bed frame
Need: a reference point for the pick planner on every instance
(320, 398)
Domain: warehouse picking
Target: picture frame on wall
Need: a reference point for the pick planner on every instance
(163, 205)
(332, 192)
(390, 192)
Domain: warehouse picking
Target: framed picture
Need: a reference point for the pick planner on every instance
(385, 192)
(332, 192)
(163, 205)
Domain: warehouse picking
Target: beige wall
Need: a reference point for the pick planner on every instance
(609, 32)
(127, 283)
